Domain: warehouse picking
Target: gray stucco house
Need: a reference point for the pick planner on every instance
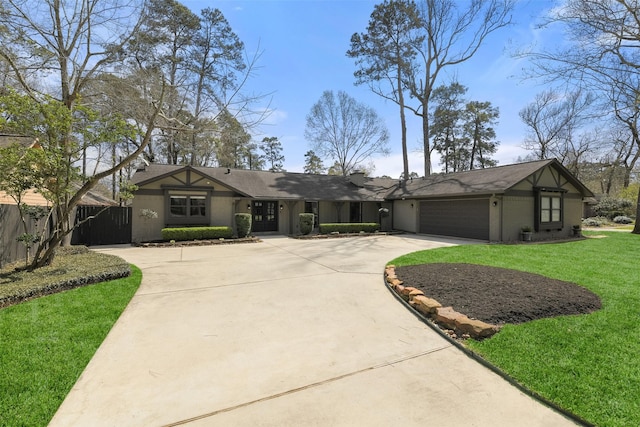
(488, 204)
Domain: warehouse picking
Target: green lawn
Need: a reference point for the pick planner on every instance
(588, 364)
(46, 343)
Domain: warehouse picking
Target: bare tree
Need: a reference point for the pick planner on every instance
(346, 131)
(602, 46)
(553, 119)
(453, 32)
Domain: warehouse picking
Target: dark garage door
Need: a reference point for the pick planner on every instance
(459, 218)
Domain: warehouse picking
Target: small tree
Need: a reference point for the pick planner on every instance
(53, 171)
(19, 172)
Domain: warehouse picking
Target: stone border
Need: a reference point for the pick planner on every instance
(455, 324)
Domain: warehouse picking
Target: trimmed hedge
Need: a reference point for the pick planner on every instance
(367, 227)
(243, 224)
(197, 233)
(306, 223)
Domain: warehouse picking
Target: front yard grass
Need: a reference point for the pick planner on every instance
(587, 364)
(45, 343)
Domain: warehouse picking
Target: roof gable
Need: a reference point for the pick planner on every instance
(494, 180)
(277, 185)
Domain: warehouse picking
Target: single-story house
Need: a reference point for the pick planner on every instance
(489, 204)
(188, 195)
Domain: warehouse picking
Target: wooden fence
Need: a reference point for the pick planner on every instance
(109, 226)
(11, 249)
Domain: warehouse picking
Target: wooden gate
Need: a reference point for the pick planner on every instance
(110, 226)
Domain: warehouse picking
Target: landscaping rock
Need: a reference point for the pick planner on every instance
(405, 292)
(475, 328)
(425, 305)
(415, 293)
(446, 316)
(395, 283)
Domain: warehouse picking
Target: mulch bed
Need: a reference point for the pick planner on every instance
(498, 295)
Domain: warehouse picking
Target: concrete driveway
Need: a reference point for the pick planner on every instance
(284, 333)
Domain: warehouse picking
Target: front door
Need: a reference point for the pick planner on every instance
(265, 216)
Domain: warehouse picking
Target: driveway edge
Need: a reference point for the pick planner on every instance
(476, 357)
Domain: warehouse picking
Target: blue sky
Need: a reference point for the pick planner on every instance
(304, 44)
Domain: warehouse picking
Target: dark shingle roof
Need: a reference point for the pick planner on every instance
(494, 180)
(279, 185)
(297, 186)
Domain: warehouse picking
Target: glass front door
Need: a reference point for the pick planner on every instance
(265, 216)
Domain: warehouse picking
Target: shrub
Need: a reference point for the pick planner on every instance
(367, 227)
(196, 233)
(594, 221)
(621, 219)
(243, 224)
(306, 222)
(610, 207)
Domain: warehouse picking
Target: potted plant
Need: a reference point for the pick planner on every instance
(526, 233)
(576, 230)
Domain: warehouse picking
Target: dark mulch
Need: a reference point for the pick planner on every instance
(498, 295)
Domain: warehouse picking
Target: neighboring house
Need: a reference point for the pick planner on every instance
(487, 204)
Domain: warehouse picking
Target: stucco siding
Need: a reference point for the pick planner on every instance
(147, 229)
(516, 212)
(222, 211)
(404, 215)
(495, 219)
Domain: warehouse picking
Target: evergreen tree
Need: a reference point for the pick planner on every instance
(313, 163)
(272, 149)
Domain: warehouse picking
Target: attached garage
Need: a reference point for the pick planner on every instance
(459, 218)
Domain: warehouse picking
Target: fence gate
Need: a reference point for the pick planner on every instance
(110, 227)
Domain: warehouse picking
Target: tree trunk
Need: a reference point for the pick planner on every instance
(403, 126)
(425, 135)
(636, 227)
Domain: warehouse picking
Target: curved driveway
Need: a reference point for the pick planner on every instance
(284, 333)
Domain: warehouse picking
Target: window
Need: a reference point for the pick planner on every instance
(198, 205)
(178, 206)
(187, 209)
(550, 209)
